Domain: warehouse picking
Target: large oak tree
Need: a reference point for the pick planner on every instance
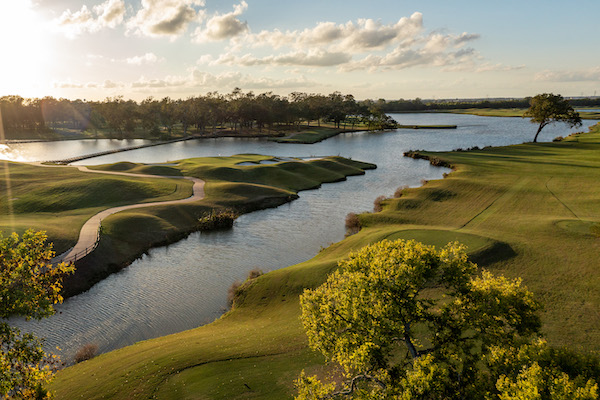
(402, 320)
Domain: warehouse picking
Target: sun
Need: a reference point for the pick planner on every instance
(25, 48)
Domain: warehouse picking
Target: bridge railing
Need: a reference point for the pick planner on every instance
(80, 254)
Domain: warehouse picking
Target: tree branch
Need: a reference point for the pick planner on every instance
(353, 382)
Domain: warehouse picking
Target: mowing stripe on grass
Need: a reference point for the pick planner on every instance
(494, 206)
(559, 200)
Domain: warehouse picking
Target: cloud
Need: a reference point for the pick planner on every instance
(148, 58)
(194, 81)
(169, 81)
(108, 84)
(588, 75)
(466, 37)
(68, 85)
(402, 58)
(317, 58)
(362, 35)
(106, 15)
(488, 67)
(110, 13)
(364, 44)
(197, 79)
(221, 27)
(165, 18)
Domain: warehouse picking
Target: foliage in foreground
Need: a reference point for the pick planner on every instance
(404, 321)
(29, 286)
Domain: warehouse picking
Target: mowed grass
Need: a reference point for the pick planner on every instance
(511, 112)
(522, 210)
(310, 135)
(60, 199)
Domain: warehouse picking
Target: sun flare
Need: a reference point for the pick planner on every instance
(25, 48)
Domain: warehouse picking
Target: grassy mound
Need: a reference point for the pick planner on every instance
(129, 167)
(60, 199)
(310, 135)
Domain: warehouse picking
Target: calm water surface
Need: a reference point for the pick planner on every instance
(185, 284)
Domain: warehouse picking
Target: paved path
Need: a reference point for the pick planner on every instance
(89, 234)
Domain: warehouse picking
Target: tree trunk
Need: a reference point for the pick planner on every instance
(538, 132)
(411, 347)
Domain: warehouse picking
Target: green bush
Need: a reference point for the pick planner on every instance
(220, 219)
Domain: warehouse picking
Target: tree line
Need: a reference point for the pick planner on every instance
(433, 105)
(204, 113)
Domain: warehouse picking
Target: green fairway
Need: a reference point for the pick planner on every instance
(310, 135)
(511, 112)
(60, 199)
(426, 127)
(529, 210)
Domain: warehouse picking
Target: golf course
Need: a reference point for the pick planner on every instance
(526, 210)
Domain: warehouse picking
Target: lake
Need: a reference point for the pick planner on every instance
(184, 285)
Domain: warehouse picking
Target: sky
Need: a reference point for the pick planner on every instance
(392, 49)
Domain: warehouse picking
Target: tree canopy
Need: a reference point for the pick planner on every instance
(29, 287)
(547, 108)
(155, 118)
(402, 320)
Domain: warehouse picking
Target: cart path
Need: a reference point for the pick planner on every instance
(89, 234)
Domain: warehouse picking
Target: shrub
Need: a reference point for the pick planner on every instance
(86, 352)
(352, 224)
(236, 287)
(398, 192)
(558, 139)
(254, 273)
(232, 291)
(220, 219)
(378, 204)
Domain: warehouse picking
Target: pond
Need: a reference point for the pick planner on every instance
(184, 285)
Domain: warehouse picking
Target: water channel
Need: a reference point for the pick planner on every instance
(184, 285)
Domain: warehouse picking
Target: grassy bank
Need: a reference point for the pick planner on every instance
(528, 210)
(60, 199)
(229, 186)
(284, 132)
(426, 127)
(312, 135)
(510, 112)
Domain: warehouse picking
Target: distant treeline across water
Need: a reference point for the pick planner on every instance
(153, 118)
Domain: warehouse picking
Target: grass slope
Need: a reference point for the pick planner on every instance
(511, 112)
(529, 210)
(60, 199)
(310, 135)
